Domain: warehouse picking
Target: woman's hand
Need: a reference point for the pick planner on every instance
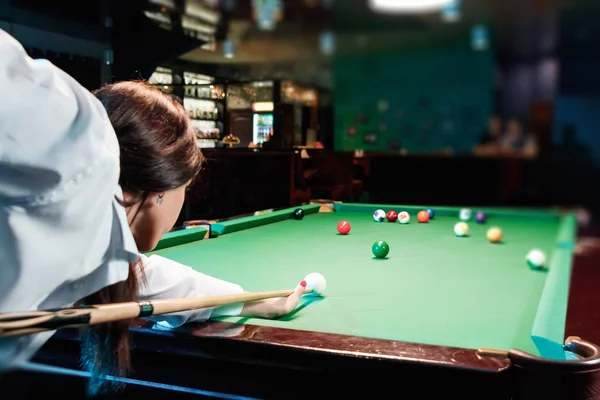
(274, 308)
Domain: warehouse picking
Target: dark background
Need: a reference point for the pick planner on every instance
(398, 82)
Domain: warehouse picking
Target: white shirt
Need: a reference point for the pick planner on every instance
(63, 236)
(167, 279)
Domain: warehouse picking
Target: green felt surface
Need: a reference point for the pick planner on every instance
(433, 288)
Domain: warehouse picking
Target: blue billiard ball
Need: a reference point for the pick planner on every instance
(430, 212)
(379, 215)
(480, 217)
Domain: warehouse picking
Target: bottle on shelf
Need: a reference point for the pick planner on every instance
(201, 109)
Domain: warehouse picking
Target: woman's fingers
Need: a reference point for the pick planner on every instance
(292, 299)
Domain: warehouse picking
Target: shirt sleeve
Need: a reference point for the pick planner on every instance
(63, 236)
(167, 279)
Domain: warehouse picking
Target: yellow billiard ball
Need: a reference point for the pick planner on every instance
(494, 235)
(461, 229)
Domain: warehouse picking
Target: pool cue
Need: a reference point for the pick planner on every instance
(24, 323)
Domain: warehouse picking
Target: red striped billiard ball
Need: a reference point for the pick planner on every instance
(343, 227)
(392, 216)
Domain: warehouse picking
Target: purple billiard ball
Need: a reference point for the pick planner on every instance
(480, 217)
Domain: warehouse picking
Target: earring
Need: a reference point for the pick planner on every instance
(160, 199)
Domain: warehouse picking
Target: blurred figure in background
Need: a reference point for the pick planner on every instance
(516, 142)
(490, 141)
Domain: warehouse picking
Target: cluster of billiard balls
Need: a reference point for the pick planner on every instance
(461, 229)
(536, 259)
(402, 217)
(380, 248)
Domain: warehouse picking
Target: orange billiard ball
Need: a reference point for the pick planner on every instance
(495, 235)
(343, 227)
(423, 216)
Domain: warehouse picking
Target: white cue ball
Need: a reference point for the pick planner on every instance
(536, 259)
(316, 282)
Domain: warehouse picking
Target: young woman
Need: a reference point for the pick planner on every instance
(87, 182)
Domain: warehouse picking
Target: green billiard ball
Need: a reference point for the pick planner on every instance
(380, 249)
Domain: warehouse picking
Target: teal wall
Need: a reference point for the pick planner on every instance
(437, 98)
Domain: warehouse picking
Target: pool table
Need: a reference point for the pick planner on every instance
(460, 314)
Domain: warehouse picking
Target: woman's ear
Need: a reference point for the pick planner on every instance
(128, 197)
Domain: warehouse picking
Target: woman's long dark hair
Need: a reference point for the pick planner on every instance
(158, 152)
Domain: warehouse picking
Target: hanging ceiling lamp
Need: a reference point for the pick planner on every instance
(408, 6)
